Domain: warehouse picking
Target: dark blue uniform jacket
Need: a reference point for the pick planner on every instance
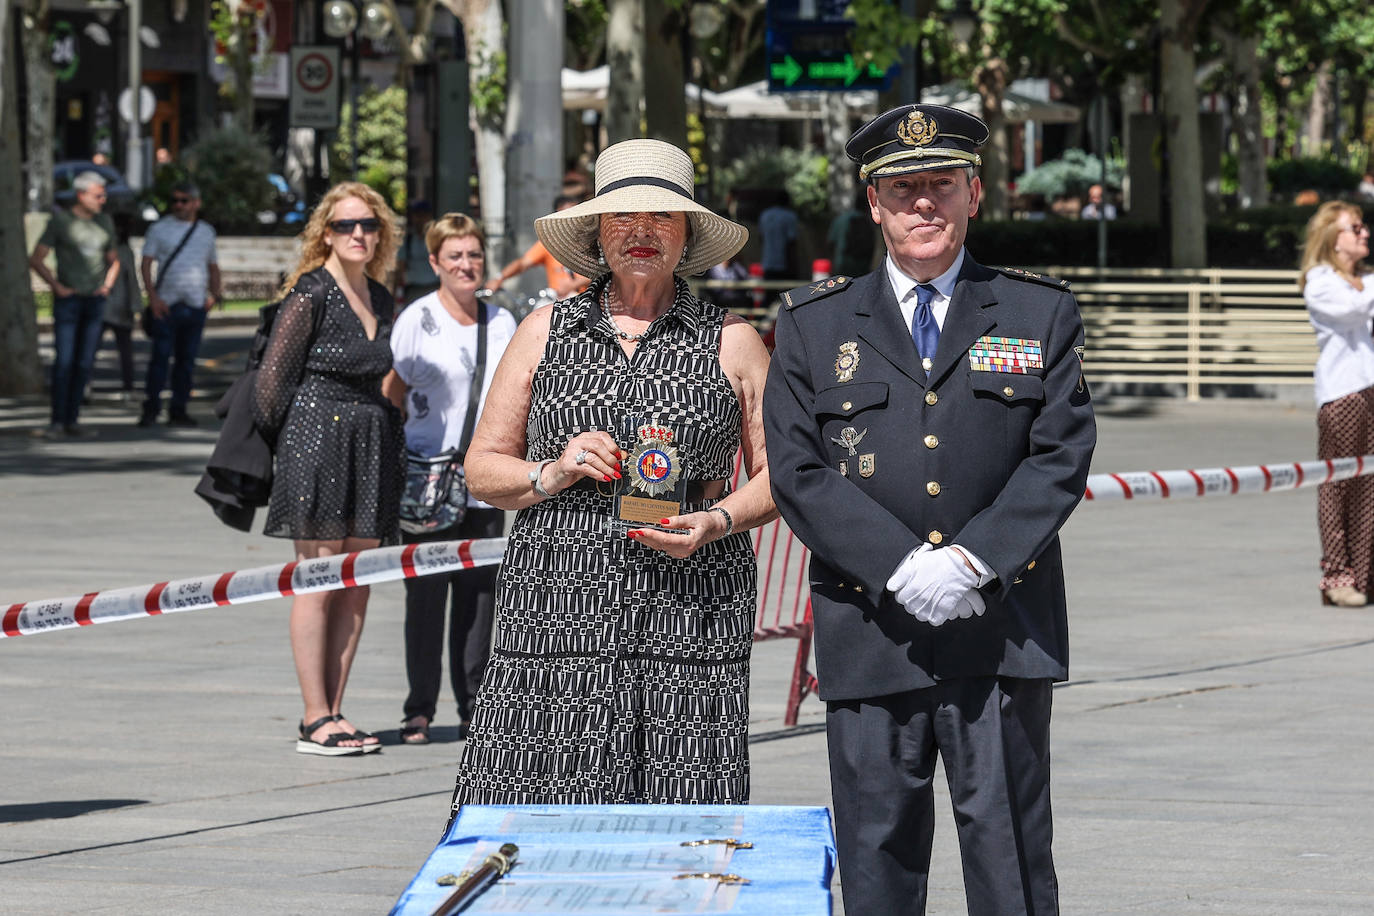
(989, 459)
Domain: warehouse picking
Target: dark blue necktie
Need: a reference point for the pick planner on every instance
(924, 329)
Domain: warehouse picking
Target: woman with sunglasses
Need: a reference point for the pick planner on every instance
(1339, 294)
(338, 440)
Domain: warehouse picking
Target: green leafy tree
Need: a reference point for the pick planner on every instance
(802, 173)
(19, 366)
(1014, 38)
(381, 143)
(1073, 173)
(234, 27)
(230, 168)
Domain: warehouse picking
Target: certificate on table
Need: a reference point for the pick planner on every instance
(621, 860)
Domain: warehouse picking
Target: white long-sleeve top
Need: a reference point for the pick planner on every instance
(1341, 316)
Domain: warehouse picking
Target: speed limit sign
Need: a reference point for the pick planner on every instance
(315, 87)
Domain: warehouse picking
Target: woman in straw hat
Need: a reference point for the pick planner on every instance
(620, 664)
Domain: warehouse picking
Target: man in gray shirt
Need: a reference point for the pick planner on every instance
(187, 285)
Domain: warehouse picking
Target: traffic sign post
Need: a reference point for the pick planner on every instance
(315, 87)
(810, 48)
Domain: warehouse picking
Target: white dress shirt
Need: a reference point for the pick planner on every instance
(904, 288)
(1341, 316)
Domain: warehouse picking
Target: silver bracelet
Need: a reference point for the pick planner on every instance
(538, 473)
(729, 522)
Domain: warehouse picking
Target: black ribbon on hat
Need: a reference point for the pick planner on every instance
(646, 179)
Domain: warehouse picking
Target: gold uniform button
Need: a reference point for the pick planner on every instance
(935, 537)
(933, 488)
(859, 589)
(931, 441)
(847, 405)
(931, 397)
(1008, 391)
(1030, 566)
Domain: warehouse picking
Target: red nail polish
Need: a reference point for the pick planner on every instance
(631, 534)
(617, 475)
(663, 521)
(606, 477)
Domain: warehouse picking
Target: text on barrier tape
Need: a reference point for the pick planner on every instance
(363, 567)
(386, 564)
(1259, 478)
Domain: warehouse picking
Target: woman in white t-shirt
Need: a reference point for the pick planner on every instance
(1340, 304)
(434, 350)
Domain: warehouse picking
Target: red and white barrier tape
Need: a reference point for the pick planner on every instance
(363, 567)
(385, 564)
(1260, 478)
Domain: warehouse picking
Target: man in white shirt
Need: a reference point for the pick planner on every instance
(188, 284)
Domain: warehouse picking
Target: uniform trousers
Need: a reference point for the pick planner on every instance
(471, 595)
(993, 736)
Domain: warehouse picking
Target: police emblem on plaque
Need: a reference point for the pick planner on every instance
(656, 486)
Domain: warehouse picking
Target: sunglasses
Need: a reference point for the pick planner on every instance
(346, 226)
(180, 200)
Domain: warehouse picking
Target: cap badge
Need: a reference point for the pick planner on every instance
(917, 129)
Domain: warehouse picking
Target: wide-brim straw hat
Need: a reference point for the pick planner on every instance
(640, 176)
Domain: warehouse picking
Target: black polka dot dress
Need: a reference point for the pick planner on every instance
(340, 445)
(619, 674)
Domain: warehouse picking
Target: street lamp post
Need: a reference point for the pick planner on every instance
(341, 20)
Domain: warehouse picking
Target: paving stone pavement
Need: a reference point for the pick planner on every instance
(1211, 751)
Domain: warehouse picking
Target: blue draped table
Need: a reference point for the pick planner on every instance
(623, 860)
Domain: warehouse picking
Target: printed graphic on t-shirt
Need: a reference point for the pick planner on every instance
(419, 405)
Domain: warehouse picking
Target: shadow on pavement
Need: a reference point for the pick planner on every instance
(40, 811)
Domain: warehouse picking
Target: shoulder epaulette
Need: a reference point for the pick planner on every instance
(813, 291)
(1017, 273)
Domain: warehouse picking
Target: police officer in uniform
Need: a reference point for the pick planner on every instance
(929, 431)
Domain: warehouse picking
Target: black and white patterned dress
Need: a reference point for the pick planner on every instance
(619, 674)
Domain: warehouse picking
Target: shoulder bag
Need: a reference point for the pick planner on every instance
(436, 492)
(145, 318)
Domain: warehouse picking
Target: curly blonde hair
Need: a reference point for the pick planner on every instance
(315, 242)
(1322, 232)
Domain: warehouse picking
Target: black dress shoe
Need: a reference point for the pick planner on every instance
(147, 420)
(183, 420)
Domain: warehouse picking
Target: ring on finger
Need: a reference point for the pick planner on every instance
(580, 457)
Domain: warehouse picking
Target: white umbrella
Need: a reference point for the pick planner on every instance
(1015, 106)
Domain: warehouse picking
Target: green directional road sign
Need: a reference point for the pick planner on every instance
(815, 52)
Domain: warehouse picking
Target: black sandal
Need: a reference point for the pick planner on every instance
(330, 746)
(414, 734)
(362, 736)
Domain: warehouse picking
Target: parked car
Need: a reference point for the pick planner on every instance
(119, 196)
(286, 208)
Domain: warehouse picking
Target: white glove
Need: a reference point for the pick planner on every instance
(936, 585)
